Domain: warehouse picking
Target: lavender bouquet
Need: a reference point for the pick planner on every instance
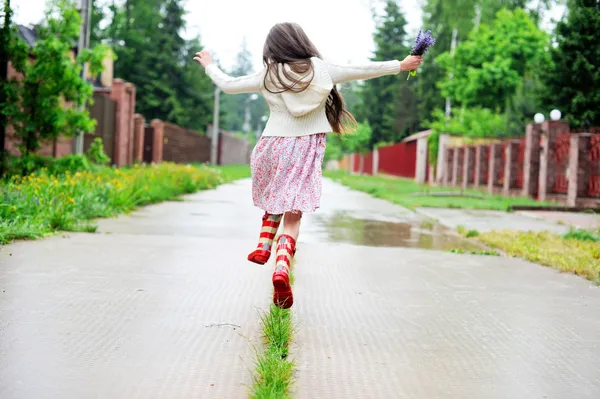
(422, 44)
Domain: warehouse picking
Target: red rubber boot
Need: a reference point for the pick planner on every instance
(270, 225)
(282, 290)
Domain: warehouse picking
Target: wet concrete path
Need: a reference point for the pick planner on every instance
(162, 304)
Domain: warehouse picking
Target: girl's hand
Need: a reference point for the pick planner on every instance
(204, 58)
(411, 63)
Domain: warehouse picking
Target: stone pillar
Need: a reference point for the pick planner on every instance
(531, 166)
(511, 166)
(495, 163)
(468, 166)
(421, 166)
(579, 167)
(549, 130)
(157, 146)
(455, 161)
(442, 161)
(481, 164)
(139, 124)
(448, 166)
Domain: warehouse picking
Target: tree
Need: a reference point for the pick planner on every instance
(573, 79)
(380, 97)
(44, 104)
(5, 40)
(488, 68)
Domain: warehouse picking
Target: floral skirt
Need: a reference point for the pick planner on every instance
(286, 173)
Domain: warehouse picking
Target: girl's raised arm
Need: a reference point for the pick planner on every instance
(229, 84)
(346, 73)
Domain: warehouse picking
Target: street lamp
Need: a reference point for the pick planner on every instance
(246, 127)
(539, 118)
(555, 115)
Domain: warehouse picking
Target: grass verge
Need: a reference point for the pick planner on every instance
(568, 253)
(231, 173)
(41, 203)
(412, 195)
(274, 370)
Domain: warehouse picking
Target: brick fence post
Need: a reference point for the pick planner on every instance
(442, 165)
(495, 162)
(550, 130)
(468, 166)
(511, 166)
(455, 160)
(481, 164)
(531, 166)
(375, 161)
(157, 146)
(117, 94)
(579, 167)
(130, 88)
(139, 124)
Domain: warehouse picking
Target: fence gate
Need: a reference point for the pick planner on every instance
(103, 111)
(148, 144)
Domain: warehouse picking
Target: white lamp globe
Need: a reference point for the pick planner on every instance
(539, 118)
(254, 97)
(555, 115)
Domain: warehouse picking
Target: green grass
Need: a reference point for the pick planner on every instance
(231, 173)
(583, 235)
(40, 204)
(567, 253)
(412, 195)
(274, 370)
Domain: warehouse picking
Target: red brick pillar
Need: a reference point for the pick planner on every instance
(579, 167)
(481, 164)
(511, 166)
(531, 166)
(468, 166)
(495, 163)
(549, 131)
(139, 124)
(130, 89)
(455, 165)
(448, 166)
(157, 145)
(117, 94)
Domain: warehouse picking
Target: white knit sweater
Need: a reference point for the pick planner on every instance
(301, 114)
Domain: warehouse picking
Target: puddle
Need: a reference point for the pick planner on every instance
(343, 228)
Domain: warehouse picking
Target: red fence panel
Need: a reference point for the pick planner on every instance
(561, 160)
(594, 179)
(368, 163)
(399, 159)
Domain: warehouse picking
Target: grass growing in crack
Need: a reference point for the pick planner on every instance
(582, 235)
(467, 233)
(274, 370)
(471, 252)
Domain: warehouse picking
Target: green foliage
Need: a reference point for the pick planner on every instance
(146, 37)
(582, 235)
(389, 102)
(96, 152)
(471, 252)
(358, 141)
(37, 104)
(71, 163)
(42, 203)
(573, 79)
(470, 122)
(488, 68)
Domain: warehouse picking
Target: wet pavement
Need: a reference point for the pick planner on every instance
(487, 220)
(162, 304)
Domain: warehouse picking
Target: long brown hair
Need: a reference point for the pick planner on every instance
(287, 43)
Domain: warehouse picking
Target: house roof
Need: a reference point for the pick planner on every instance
(417, 136)
(28, 34)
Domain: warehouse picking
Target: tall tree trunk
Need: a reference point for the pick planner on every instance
(4, 42)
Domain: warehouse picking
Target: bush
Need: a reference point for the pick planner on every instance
(96, 152)
(27, 164)
(71, 163)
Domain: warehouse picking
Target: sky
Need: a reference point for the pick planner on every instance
(342, 30)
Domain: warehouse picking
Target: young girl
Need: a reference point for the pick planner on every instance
(305, 105)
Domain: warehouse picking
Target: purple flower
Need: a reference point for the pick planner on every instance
(422, 44)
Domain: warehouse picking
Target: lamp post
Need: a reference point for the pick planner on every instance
(261, 125)
(85, 9)
(214, 142)
(555, 115)
(246, 127)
